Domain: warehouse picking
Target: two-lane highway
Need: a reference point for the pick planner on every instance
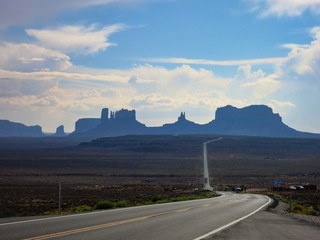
(180, 220)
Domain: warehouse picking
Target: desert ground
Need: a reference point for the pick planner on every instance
(143, 168)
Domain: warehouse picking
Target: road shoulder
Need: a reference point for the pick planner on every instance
(270, 224)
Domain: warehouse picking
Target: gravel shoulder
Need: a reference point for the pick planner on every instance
(281, 208)
(273, 223)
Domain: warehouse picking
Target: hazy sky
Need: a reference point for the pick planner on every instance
(61, 60)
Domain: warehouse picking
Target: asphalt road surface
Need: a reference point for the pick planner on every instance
(180, 220)
(268, 225)
(205, 163)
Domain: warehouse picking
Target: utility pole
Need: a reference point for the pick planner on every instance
(59, 198)
(205, 165)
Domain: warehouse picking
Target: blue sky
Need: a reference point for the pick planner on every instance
(63, 60)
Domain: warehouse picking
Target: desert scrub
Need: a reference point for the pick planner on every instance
(304, 209)
(80, 209)
(105, 205)
(193, 196)
(122, 204)
(278, 197)
(77, 209)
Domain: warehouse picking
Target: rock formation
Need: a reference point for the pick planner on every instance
(60, 132)
(255, 120)
(85, 124)
(121, 122)
(182, 126)
(13, 129)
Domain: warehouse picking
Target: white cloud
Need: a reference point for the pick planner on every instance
(277, 103)
(263, 87)
(255, 85)
(29, 57)
(16, 87)
(213, 62)
(82, 91)
(79, 39)
(291, 8)
(78, 77)
(304, 59)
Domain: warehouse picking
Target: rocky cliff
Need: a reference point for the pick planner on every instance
(122, 122)
(13, 129)
(60, 132)
(255, 120)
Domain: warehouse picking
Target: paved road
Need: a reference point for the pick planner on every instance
(268, 225)
(205, 163)
(181, 220)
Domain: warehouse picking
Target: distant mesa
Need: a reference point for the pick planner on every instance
(122, 122)
(13, 129)
(254, 120)
(60, 132)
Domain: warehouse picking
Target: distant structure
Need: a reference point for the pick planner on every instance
(85, 124)
(182, 117)
(254, 120)
(104, 115)
(121, 122)
(13, 129)
(60, 132)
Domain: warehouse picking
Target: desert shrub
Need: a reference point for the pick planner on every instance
(300, 209)
(122, 204)
(79, 209)
(105, 205)
(278, 197)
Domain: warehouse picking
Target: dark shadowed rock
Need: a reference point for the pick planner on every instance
(85, 124)
(182, 126)
(12, 129)
(60, 132)
(255, 120)
(122, 122)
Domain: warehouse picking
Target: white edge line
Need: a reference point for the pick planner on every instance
(232, 223)
(100, 211)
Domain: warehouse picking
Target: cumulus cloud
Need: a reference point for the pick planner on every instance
(177, 81)
(291, 8)
(16, 87)
(79, 39)
(30, 57)
(304, 59)
(255, 85)
(148, 89)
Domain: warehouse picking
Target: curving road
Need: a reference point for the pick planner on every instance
(181, 220)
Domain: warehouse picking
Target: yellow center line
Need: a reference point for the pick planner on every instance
(85, 229)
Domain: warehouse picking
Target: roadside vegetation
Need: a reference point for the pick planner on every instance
(125, 196)
(306, 203)
(196, 195)
(106, 204)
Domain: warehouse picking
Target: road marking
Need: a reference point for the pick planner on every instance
(85, 229)
(232, 223)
